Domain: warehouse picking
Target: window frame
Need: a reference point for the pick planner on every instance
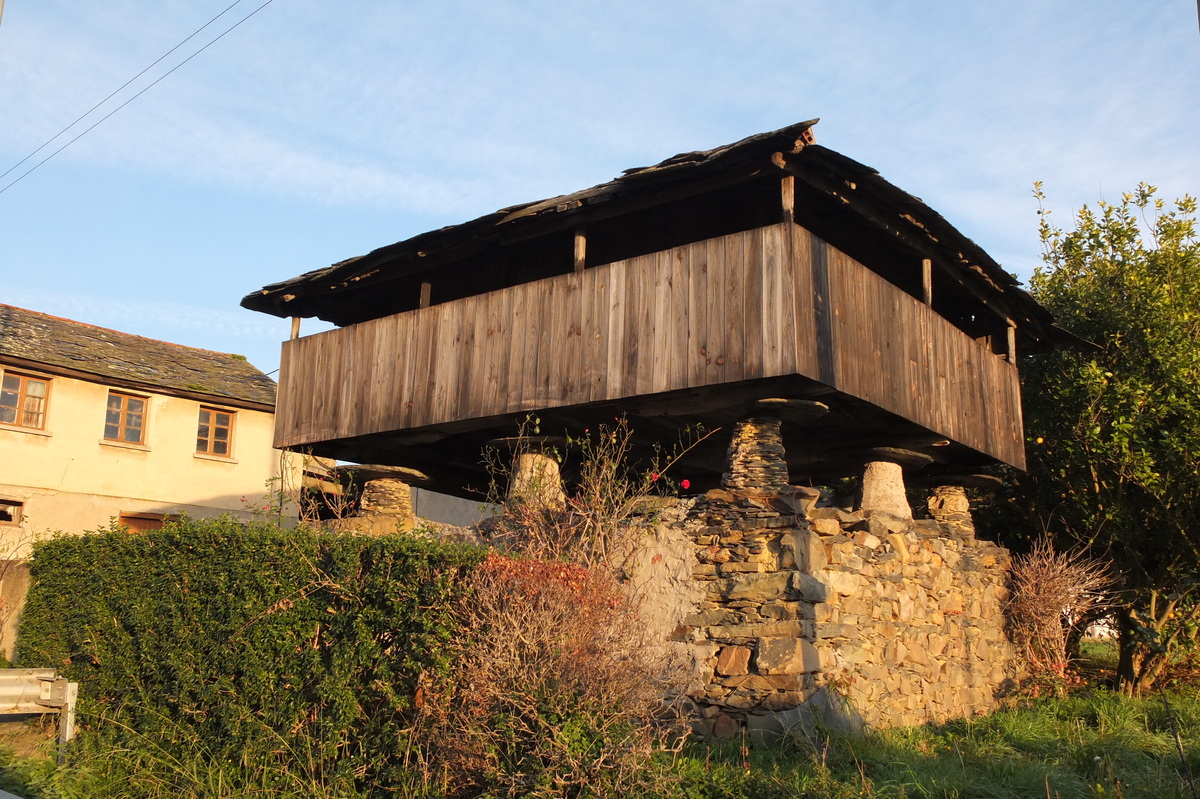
(210, 440)
(17, 513)
(142, 522)
(23, 379)
(122, 424)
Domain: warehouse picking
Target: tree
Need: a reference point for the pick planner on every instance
(1114, 425)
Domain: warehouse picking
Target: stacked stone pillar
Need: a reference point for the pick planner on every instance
(385, 502)
(810, 611)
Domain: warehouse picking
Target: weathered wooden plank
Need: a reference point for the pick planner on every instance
(678, 320)
(661, 323)
(390, 378)
(591, 358)
(285, 396)
(779, 347)
(718, 330)
(525, 360)
(697, 329)
(467, 316)
(570, 348)
(544, 388)
(735, 320)
(643, 274)
(617, 350)
(444, 360)
(803, 305)
(752, 303)
(424, 332)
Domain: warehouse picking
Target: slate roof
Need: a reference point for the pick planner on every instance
(866, 196)
(103, 353)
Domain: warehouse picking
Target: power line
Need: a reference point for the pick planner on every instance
(131, 99)
(123, 85)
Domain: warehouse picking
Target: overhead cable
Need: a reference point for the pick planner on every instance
(131, 99)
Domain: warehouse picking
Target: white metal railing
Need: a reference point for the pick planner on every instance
(40, 691)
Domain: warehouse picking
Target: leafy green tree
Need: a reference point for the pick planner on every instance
(1114, 426)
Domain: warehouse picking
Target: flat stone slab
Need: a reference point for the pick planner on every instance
(366, 472)
(909, 459)
(788, 410)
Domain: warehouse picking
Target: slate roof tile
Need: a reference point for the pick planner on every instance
(104, 353)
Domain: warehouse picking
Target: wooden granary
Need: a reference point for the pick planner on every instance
(676, 294)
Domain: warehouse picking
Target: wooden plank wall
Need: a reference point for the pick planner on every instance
(893, 351)
(738, 307)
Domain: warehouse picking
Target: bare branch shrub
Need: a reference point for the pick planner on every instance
(1051, 594)
(556, 689)
(596, 522)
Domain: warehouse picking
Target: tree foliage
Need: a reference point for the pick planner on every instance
(1114, 425)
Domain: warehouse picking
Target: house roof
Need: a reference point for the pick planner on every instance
(859, 194)
(37, 339)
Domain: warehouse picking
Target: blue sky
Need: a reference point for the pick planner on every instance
(318, 131)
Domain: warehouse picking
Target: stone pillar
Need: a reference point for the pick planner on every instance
(949, 506)
(883, 479)
(386, 496)
(385, 503)
(883, 489)
(534, 476)
(755, 458)
(536, 479)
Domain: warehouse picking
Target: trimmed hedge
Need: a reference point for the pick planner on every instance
(249, 641)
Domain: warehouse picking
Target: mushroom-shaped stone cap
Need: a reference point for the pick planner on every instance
(987, 481)
(907, 458)
(366, 472)
(788, 410)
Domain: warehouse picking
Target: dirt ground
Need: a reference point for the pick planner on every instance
(29, 735)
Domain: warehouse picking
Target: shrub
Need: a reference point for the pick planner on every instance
(556, 690)
(1053, 596)
(255, 645)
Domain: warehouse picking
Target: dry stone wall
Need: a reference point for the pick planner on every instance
(807, 611)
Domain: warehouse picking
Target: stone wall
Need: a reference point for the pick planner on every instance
(806, 610)
(789, 608)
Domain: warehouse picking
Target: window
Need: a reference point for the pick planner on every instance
(214, 435)
(125, 420)
(23, 401)
(141, 522)
(11, 511)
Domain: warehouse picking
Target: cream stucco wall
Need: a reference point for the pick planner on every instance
(71, 480)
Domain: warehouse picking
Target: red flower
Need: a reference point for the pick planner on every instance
(685, 484)
(653, 476)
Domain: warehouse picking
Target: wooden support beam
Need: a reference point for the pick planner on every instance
(787, 188)
(1012, 341)
(580, 249)
(927, 281)
(295, 327)
(426, 289)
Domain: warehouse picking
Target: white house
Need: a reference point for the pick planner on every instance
(98, 425)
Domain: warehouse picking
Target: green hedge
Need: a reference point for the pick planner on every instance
(250, 641)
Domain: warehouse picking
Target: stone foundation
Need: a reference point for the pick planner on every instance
(852, 616)
(802, 611)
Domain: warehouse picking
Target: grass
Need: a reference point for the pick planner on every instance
(1092, 744)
